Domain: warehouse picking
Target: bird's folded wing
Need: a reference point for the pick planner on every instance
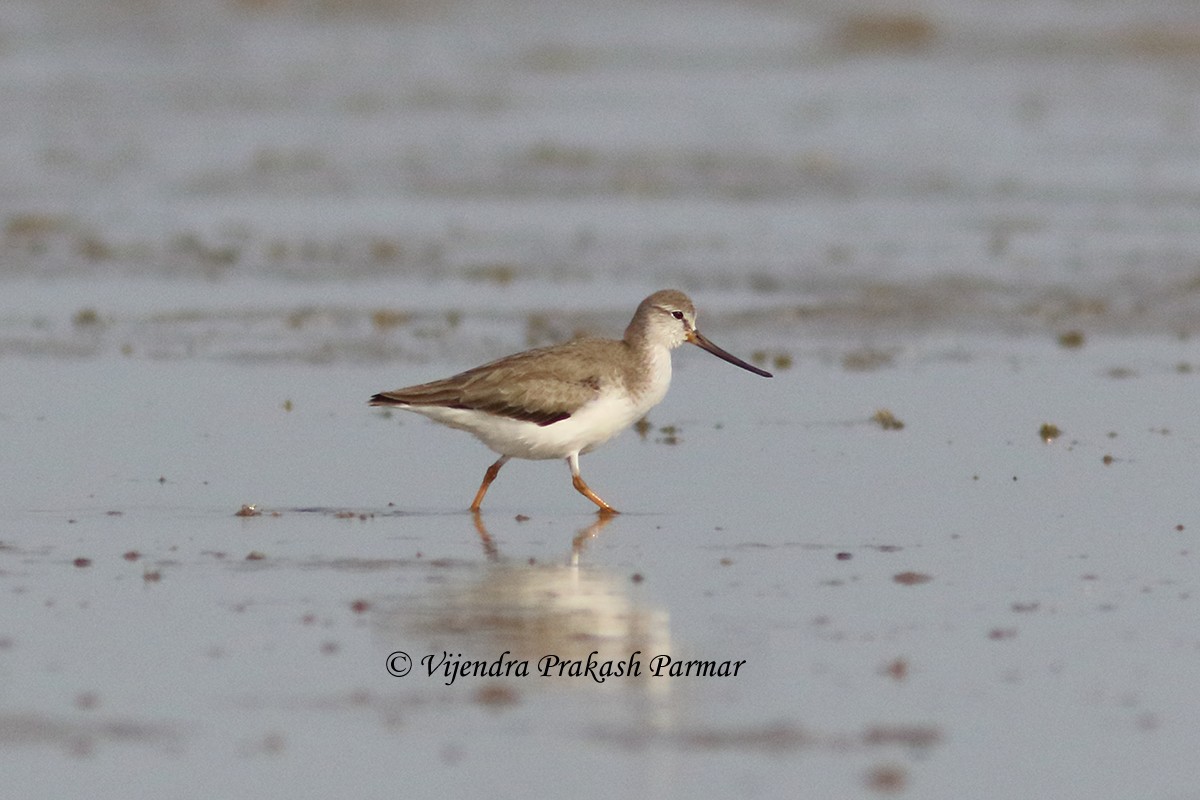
(532, 390)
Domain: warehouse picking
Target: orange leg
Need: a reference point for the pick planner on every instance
(585, 490)
(488, 477)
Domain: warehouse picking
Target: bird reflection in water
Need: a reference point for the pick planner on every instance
(531, 610)
(578, 544)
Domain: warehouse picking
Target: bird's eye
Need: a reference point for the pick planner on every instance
(677, 314)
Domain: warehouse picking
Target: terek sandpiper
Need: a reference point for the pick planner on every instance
(567, 399)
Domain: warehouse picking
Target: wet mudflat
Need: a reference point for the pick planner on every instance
(949, 550)
(920, 605)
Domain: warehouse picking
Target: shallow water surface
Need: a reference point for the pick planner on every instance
(946, 552)
(923, 605)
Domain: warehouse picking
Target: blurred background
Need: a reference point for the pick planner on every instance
(349, 180)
